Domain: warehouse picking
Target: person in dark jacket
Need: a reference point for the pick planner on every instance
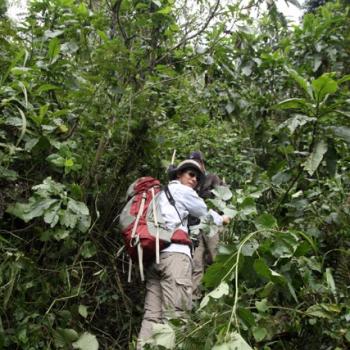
(205, 247)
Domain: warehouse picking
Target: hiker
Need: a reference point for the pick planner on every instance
(169, 283)
(205, 247)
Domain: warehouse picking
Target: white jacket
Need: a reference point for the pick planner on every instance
(187, 202)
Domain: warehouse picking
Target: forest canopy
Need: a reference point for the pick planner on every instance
(94, 94)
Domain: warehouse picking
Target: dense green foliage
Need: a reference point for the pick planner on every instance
(95, 94)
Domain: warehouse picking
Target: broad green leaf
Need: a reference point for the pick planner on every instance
(222, 192)
(38, 208)
(77, 207)
(262, 305)
(342, 132)
(248, 206)
(51, 216)
(323, 86)
(265, 221)
(216, 272)
(70, 47)
(303, 83)
(20, 210)
(229, 108)
(54, 49)
(24, 90)
(68, 218)
(63, 128)
(297, 121)
(344, 79)
(317, 62)
(20, 70)
(280, 178)
(163, 335)
(82, 10)
(246, 316)
(165, 11)
(88, 249)
(29, 211)
(284, 244)
(82, 309)
(8, 174)
(217, 293)
(218, 204)
(292, 292)
(315, 157)
(38, 119)
(102, 35)
(86, 341)
(292, 103)
(247, 70)
(69, 163)
(84, 223)
(60, 234)
(250, 247)
(236, 342)
(336, 308)
(48, 34)
(330, 281)
(45, 88)
(157, 2)
(343, 113)
(56, 159)
(30, 144)
(24, 126)
(231, 213)
(259, 333)
(64, 337)
(318, 311)
(261, 268)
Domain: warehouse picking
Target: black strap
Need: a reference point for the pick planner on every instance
(172, 201)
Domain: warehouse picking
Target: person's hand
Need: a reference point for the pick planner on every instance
(225, 219)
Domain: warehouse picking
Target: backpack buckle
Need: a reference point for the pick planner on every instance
(135, 241)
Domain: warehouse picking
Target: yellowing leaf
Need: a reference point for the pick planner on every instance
(63, 128)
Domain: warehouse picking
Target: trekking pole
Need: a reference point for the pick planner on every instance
(173, 157)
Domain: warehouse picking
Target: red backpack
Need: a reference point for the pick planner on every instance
(142, 225)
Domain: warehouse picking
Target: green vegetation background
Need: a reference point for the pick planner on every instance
(95, 94)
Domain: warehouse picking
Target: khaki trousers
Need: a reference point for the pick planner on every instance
(168, 292)
(203, 255)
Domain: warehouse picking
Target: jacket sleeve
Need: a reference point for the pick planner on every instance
(217, 218)
(197, 207)
(194, 204)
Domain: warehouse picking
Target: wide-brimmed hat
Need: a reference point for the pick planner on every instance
(185, 165)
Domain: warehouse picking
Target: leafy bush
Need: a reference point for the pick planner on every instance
(94, 95)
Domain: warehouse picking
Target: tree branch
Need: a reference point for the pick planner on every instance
(116, 19)
(200, 31)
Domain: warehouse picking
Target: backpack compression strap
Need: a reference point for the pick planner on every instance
(156, 225)
(135, 239)
(172, 201)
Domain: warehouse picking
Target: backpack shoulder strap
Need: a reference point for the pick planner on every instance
(172, 201)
